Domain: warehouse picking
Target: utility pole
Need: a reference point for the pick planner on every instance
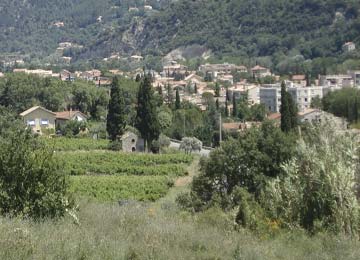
(220, 139)
(184, 123)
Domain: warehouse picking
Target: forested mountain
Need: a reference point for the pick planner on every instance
(245, 28)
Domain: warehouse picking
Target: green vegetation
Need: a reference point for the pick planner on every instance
(263, 178)
(32, 184)
(115, 122)
(75, 144)
(20, 92)
(115, 188)
(343, 103)
(138, 231)
(147, 121)
(288, 110)
(115, 163)
(289, 37)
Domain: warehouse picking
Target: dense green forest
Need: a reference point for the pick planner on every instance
(280, 34)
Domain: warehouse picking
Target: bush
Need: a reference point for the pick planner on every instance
(115, 145)
(31, 182)
(318, 191)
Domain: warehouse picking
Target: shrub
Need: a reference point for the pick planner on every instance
(318, 190)
(31, 183)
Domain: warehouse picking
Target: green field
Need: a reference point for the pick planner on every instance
(75, 144)
(116, 163)
(102, 175)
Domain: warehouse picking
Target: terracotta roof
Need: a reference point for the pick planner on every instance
(298, 77)
(231, 126)
(308, 111)
(274, 116)
(257, 67)
(35, 108)
(67, 115)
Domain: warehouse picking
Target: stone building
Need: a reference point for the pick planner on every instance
(132, 143)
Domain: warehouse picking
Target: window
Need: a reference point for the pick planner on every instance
(44, 121)
(306, 100)
(31, 122)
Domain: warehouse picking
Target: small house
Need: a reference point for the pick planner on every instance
(132, 143)
(260, 72)
(65, 116)
(39, 119)
(349, 46)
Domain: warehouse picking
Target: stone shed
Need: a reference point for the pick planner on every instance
(132, 143)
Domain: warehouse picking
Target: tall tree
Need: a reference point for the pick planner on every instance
(285, 110)
(116, 122)
(146, 119)
(227, 94)
(195, 89)
(177, 100)
(288, 110)
(226, 109)
(217, 104)
(217, 90)
(235, 111)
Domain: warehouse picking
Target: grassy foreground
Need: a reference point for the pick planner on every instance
(140, 231)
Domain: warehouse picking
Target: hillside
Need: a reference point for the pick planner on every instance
(242, 28)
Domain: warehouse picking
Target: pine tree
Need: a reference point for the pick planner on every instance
(177, 100)
(116, 122)
(146, 118)
(217, 104)
(234, 112)
(195, 89)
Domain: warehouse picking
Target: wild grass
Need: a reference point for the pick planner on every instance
(141, 231)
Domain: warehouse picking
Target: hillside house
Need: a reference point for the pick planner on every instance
(299, 79)
(260, 72)
(63, 117)
(39, 119)
(349, 46)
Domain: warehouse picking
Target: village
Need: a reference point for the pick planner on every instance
(224, 84)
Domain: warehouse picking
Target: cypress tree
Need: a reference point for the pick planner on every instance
(285, 110)
(293, 111)
(227, 94)
(288, 110)
(115, 123)
(146, 118)
(177, 100)
(217, 104)
(226, 109)
(217, 90)
(234, 112)
(195, 89)
(159, 88)
(169, 95)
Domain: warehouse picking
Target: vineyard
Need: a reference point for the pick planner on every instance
(75, 144)
(102, 175)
